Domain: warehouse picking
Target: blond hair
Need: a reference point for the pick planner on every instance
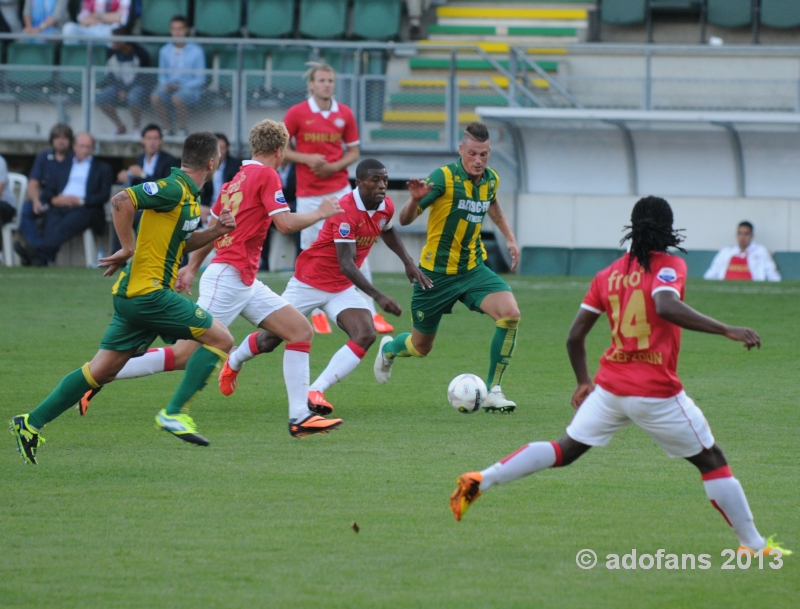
(267, 137)
(314, 67)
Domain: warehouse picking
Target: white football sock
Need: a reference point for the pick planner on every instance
(365, 270)
(343, 362)
(152, 362)
(530, 458)
(726, 494)
(296, 376)
(244, 352)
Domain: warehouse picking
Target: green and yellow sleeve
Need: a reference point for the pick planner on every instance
(437, 180)
(161, 195)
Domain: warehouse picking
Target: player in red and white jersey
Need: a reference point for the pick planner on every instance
(327, 275)
(641, 294)
(325, 144)
(229, 288)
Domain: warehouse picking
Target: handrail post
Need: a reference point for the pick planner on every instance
(452, 115)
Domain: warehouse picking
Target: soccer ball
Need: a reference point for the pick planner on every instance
(466, 393)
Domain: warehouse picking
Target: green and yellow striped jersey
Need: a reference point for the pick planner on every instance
(458, 206)
(171, 214)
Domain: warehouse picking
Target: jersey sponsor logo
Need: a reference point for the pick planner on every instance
(322, 137)
(344, 230)
(150, 188)
(632, 280)
(382, 223)
(667, 275)
(339, 122)
(474, 219)
(191, 225)
(279, 198)
(475, 207)
(366, 241)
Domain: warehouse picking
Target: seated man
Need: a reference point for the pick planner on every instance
(8, 202)
(176, 86)
(747, 261)
(125, 84)
(98, 18)
(50, 167)
(75, 204)
(227, 170)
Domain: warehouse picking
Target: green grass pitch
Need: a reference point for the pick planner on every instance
(118, 514)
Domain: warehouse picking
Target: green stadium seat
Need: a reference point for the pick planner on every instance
(30, 54)
(376, 63)
(291, 59)
(218, 17)
(342, 60)
(323, 18)
(376, 19)
(623, 12)
(270, 18)
(76, 55)
(730, 13)
(780, 13)
(252, 59)
(157, 13)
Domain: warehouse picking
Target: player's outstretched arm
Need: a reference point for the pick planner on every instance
(393, 241)
(291, 222)
(224, 224)
(346, 254)
(576, 349)
(670, 307)
(411, 210)
(500, 221)
(122, 212)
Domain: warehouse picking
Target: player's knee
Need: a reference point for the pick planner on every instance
(302, 334)
(365, 337)
(267, 342)
(422, 350)
(570, 450)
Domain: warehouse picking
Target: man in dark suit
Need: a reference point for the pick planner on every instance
(228, 167)
(76, 202)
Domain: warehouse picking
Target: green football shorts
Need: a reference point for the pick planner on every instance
(138, 321)
(428, 306)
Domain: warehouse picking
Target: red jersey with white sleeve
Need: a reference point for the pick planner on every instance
(643, 358)
(253, 196)
(318, 266)
(321, 132)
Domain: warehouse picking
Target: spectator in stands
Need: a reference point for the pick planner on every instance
(153, 164)
(746, 261)
(9, 16)
(415, 8)
(50, 167)
(44, 16)
(124, 85)
(228, 167)
(76, 203)
(98, 19)
(8, 203)
(177, 87)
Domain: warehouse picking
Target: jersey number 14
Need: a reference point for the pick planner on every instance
(634, 320)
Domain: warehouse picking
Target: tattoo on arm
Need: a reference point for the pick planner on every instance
(119, 198)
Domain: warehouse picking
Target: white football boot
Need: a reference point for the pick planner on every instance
(383, 365)
(496, 401)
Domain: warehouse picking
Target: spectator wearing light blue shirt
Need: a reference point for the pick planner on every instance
(177, 86)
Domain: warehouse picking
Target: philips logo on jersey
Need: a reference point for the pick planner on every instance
(667, 275)
(279, 198)
(344, 229)
(191, 225)
(150, 188)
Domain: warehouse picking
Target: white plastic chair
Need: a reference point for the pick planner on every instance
(18, 184)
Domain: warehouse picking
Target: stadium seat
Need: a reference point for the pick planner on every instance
(30, 54)
(289, 59)
(252, 59)
(157, 13)
(18, 184)
(780, 13)
(623, 12)
(323, 18)
(376, 19)
(270, 18)
(218, 17)
(342, 60)
(75, 55)
(730, 13)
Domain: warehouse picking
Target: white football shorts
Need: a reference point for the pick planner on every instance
(225, 296)
(676, 424)
(306, 204)
(306, 298)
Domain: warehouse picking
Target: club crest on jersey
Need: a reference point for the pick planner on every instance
(382, 223)
(339, 122)
(279, 198)
(150, 188)
(667, 275)
(344, 230)
(200, 313)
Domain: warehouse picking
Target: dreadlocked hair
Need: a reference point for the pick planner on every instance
(651, 230)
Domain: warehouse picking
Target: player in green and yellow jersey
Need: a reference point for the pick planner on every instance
(459, 195)
(145, 305)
